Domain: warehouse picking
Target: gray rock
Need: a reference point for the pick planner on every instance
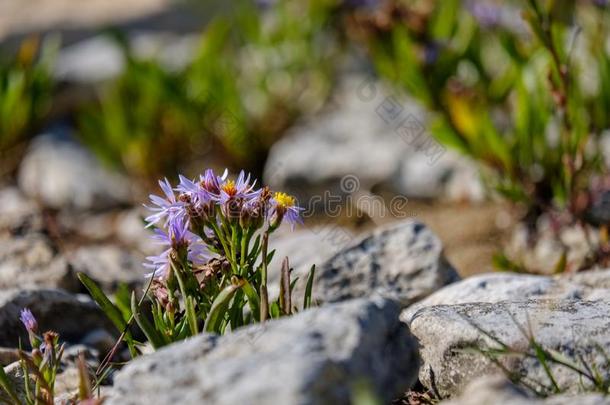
(62, 174)
(350, 138)
(100, 58)
(72, 353)
(91, 60)
(92, 227)
(304, 248)
(72, 316)
(19, 214)
(30, 261)
(495, 287)
(126, 227)
(100, 340)
(447, 335)
(498, 390)
(15, 376)
(452, 177)
(109, 265)
(313, 357)
(130, 229)
(403, 261)
(369, 133)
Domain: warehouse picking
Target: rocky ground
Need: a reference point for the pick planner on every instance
(393, 313)
(406, 304)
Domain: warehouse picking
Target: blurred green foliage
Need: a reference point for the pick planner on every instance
(253, 74)
(521, 86)
(25, 90)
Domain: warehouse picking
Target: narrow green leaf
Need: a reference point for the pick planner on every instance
(309, 287)
(274, 310)
(111, 311)
(253, 300)
(155, 339)
(191, 315)
(219, 306)
(543, 359)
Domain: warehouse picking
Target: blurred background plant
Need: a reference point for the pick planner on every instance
(522, 96)
(521, 87)
(255, 71)
(25, 94)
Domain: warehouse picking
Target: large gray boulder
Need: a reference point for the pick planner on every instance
(62, 174)
(314, 357)
(495, 287)
(448, 333)
(498, 390)
(72, 316)
(403, 261)
(304, 248)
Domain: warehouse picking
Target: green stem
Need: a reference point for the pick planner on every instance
(234, 249)
(220, 236)
(264, 296)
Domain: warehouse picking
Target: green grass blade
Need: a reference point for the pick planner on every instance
(309, 287)
(543, 359)
(253, 300)
(155, 339)
(191, 315)
(111, 311)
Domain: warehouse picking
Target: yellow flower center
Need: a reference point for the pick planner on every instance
(229, 187)
(283, 199)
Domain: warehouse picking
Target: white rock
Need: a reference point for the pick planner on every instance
(62, 174)
(498, 390)
(314, 357)
(450, 335)
(403, 261)
(495, 287)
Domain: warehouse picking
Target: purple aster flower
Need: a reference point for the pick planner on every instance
(283, 206)
(238, 189)
(160, 265)
(28, 320)
(176, 238)
(165, 208)
(234, 193)
(211, 182)
(197, 195)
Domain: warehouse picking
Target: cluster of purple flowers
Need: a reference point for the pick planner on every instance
(191, 217)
